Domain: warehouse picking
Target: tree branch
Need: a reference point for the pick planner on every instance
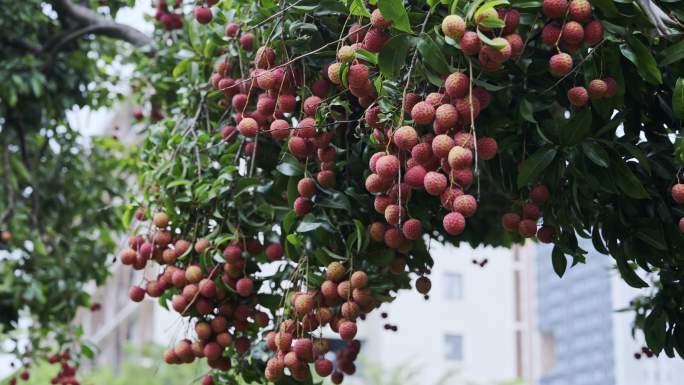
(89, 21)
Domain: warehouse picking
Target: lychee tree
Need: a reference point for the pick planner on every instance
(314, 149)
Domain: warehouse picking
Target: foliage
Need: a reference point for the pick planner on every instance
(60, 192)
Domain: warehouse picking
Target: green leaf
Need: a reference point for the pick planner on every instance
(628, 274)
(485, 39)
(558, 260)
(627, 181)
(534, 165)
(19, 169)
(366, 55)
(432, 55)
(180, 68)
(672, 54)
(526, 111)
(655, 330)
(643, 60)
(577, 128)
(395, 11)
(678, 99)
(290, 166)
(358, 8)
(492, 22)
(472, 7)
(393, 55)
(596, 153)
(607, 7)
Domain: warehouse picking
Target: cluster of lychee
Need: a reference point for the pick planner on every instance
(342, 299)
(67, 372)
(597, 89)
(525, 221)
(224, 311)
(505, 44)
(170, 18)
(571, 27)
(678, 196)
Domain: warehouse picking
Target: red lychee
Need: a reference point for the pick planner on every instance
(511, 17)
(264, 57)
(611, 87)
(375, 39)
(463, 177)
(551, 33)
(347, 330)
(510, 221)
(593, 32)
(453, 26)
(441, 145)
(597, 89)
(393, 238)
(311, 104)
(681, 225)
(248, 127)
(274, 252)
(453, 223)
(554, 9)
(467, 110)
(410, 100)
(405, 137)
(486, 148)
(414, 176)
(232, 29)
(527, 228)
(412, 229)
(435, 183)
(560, 64)
(247, 41)
(530, 211)
(579, 10)
(378, 21)
(516, 43)
(423, 113)
(302, 206)
(244, 287)
(546, 233)
(460, 157)
(578, 96)
(203, 14)
(457, 85)
(470, 43)
(306, 187)
(136, 293)
(573, 33)
(539, 194)
(678, 193)
(387, 166)
(466, 205)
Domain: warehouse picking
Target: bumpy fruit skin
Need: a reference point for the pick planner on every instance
(487, 148)
(460, 157)
(247, 41)
(579, 10)
(560, 64)
(306, 187)
(454, 223)
(446, 116)
(335, 271)
(466, 205)
(248, 127)
(573, 33)
(414, 176)
(232, 29)
(405, 137)
(516, 43)
(470, 43)
(423, 113)
(678, 193)
(550, 34)
(510, 221)
(392, 214)
(346, 54)
(453, 26)
(480, 15)
(302, 206)
(449, 196)
(335, 73)
(264, 57)
(323, 367)
(387, 166)
(375, 39)
(546, 233)
(378, 21)
(512, 19)
(554, 9)
(347, 330)
(593, 32)
(531, 211)
(441, 145)
(244, 287)
(527, 228)
(578, 96)
(597, 89)
(412, 229)
(358, 75)
(457, 85)
(611, 87)
(539, 194)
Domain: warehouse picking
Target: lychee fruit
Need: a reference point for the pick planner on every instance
(453, 26)
(457, 85)
(274, 252)
(510, 221)
(423, 285)
(597, 89)
(466, 205)
(375, 39)
(573, 33)
(512, 19)
(546, 233)
(422, 152)
(468, 109)
(244, 287)
(527, 228)
(387, 166)
(441, 145)
(347, 330)
(136, 293)
(410, 100)
(414, 176)
(593, 32)
(611, 87)
(579, 10)
(446, 116)
(375, 183)
(306, 187)
(392, 214)
(678, 193)
(578, 96)
(323, 367)
(560, 64)
(378, 21)
(550, 34)
(405, 137)
(470, 43)
(247, 41)
(335, 271)
(423, 113)
(453, 223)
(554, 9)
(302, 206)
(264, 57)
(346, 54)
(393, 238)
(460, 157)
(681, 225)
(356, 33)
(435, 183)
(516, 43)
(248, 127)
(335, 73)
(311, 104)
(486, 148)
(482, 14)
(377, 231)
(412, 229)
(232, 29)
(531, 211)
(539, 194)
(463, 177)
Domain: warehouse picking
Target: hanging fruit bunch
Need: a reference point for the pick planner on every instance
(313, 151)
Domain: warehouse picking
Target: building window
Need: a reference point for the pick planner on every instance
(453, 286)
(453, 347)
